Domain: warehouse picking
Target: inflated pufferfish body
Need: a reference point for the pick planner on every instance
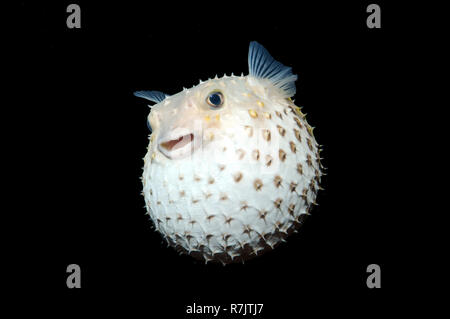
(232, 166)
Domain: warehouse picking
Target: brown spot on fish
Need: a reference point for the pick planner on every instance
(197, 179)
(211, 180)
(244, 205)
(258, 184)
(312, 187)
(269, 160)
(262, 214)
(277, 180)
(293, 148)
(300, 168)
(279, 114)
(278, 202)
(210, 217)
(221, 167)
(253, 113)
(208, 195)
(237, 177)
(299, 123)
(305, 194)
(228, 220)
(297, 135)
(293, 186)
(267, 115)
(310, 144)
(309, 160)
(282, 155)
(281, 130)
(247, 230)
(224, 197)
(240, 153)
(182, 193)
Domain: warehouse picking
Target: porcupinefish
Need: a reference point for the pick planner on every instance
(232, 166)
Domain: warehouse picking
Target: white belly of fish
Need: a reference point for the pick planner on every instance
(238, 196)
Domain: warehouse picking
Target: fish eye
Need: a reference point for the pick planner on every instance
(215, 99)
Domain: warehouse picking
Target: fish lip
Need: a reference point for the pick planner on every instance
(177, 145)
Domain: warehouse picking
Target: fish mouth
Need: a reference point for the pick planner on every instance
(177, 147)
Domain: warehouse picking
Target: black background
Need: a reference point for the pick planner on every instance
(89, 136)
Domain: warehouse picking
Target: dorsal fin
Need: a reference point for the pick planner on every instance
(154, 96)
(262, 65)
